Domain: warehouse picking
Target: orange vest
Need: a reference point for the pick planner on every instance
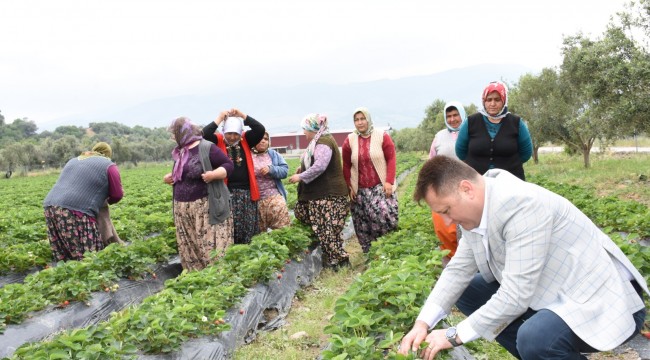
(255, 191)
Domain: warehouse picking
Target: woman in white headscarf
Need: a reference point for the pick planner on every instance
(444, 143)
(237, 144)
(322, 194)
(369, 171)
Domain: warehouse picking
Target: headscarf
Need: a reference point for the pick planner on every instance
(365, 113)
(500, 88)
(100, 149)
(461, 111)
(232, 125)
(315, 123)
(104, 149)
(185, 133)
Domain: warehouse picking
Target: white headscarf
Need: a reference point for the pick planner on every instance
(232, 125)
(365, 113)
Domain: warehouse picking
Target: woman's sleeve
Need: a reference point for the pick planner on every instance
(322, 157)
(256, 134)
(525, 142)
(115, 190)
(209, 132)
(462, 142)
(279, 167)
(219, 159)
(389, 155)
(346, 154)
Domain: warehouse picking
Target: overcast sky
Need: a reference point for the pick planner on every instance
(61, 57)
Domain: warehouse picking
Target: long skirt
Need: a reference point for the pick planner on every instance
(327, 218)
(245, 215)
(199, 242)
(373, 215)
(274, 213)
(71, 235)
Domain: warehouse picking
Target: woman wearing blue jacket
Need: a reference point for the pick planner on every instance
(270, 169)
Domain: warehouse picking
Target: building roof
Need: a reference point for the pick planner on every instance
(340, 131)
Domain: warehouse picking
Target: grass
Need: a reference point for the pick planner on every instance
(310, 312)
(640, 141)
(617, 175)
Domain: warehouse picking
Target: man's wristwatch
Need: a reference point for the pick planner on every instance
(451, 336)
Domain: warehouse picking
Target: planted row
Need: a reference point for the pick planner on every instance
(192, 305)
(382, 303)
(76, 280)
(146, 209)
(241, 269)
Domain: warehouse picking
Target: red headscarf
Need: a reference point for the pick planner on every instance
(502, 90)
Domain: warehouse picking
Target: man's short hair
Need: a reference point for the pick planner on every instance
(442, 174)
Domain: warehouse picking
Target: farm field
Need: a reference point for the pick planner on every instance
(165, 320)
(315, 307)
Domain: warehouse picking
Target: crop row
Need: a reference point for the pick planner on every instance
(241, 267)
(381, 305)
(192, 305)
(145, 209)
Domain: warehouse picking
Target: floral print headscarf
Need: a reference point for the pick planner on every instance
(315, 123)
(500, 88)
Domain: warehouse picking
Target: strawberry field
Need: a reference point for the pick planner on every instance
(369, 319)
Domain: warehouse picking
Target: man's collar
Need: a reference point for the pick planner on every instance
(481, 229)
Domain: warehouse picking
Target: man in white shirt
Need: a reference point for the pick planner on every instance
(531, 270)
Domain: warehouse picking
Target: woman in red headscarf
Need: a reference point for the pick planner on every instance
(494, 137)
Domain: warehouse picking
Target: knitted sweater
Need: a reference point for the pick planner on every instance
(82, 186)
(382, 162)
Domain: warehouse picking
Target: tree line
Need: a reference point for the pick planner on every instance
(23, 149)
(599, 92)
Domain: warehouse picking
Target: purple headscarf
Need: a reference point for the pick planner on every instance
(185, 133)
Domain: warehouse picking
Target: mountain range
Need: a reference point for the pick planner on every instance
(398, 103)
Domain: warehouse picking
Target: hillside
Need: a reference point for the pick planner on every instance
(398, 102)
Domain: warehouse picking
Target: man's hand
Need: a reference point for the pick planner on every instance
(436, 339)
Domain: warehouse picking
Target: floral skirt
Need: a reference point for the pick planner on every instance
(373, 215)
(274, 213)
(327, 218)
(245, 215)
(199, 242)
(71, 235)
